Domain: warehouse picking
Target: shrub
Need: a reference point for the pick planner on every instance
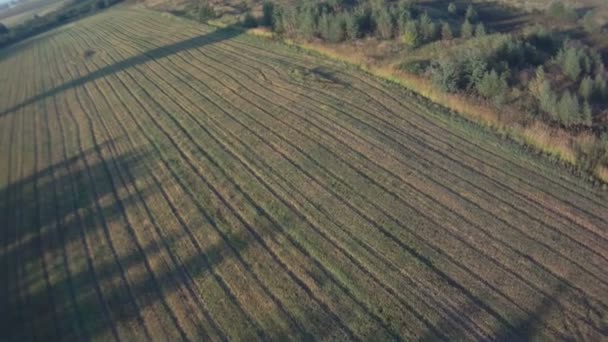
(466, 31)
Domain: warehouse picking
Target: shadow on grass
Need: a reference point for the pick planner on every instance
(160, 52)
(64, 211)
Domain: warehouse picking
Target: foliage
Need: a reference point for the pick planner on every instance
(3, 29)
(471, 14)
(589, 24)
(352, 26)
(411, 36)
(428, 28)
(493, 86)
(559, 10)
(205, 12)
(267, 14)
(586, 88)
(480, 30)
(452, 9)
(249, 21)
(446, 31)
(384, 23)
(466, 31)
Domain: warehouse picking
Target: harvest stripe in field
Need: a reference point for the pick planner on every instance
(187, 183)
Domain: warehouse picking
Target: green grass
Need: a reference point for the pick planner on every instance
(190, 183)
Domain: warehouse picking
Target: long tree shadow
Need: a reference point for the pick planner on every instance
(160, 52)
(56, 212)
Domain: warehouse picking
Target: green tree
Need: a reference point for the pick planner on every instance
(480, 30)
(600, 88)
(571, 63)
(249, 21)
(384, 23)
(446, 31)
(411, 36)
(568, 109)
(452, 9)
(307, 23)
(587, 114)
(471, 13)
(325, 26)
(352, 25)
(547, 99)
(267, 13)
(428, 28)
(466, 31)
(493, 87)
(205, 12)
(560, 11)
(589, 23)
(337, 29)
(585, 89)
(446, 73)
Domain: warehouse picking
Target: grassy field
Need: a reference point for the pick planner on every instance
(164, 180)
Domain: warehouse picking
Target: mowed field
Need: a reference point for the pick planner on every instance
(163, 180)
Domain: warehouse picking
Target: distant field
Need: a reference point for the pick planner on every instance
(21, 13)
(162, 180)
